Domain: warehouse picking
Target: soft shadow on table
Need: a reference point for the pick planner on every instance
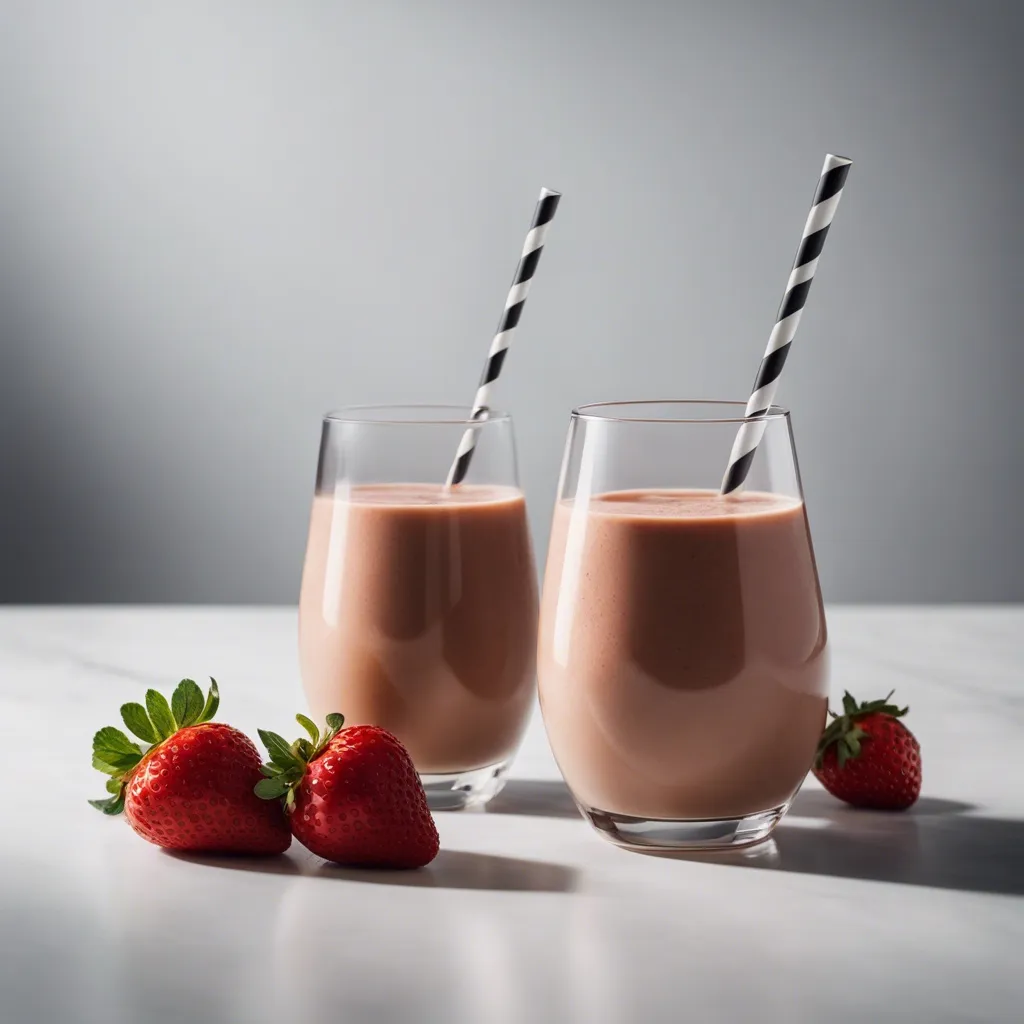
(936, 843)
(460, 869)
(816, 803)
(282, 864)
(450, 869)
(535, 797)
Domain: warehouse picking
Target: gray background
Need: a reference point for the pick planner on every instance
(218, 220)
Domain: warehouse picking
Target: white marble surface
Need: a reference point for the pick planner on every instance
(526, 915)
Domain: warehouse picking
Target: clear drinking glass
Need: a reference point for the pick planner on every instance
(418, 609)
(682, 654)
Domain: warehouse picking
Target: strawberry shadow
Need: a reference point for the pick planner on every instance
(281, 864)
(816, 803)
(450, 869)
(461, 869)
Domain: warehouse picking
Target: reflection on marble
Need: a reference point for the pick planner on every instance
(526, 915)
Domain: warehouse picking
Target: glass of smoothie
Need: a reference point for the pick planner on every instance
(418, 609)
(682, 652)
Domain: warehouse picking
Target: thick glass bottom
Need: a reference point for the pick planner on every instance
(688, 834)
(464, 790)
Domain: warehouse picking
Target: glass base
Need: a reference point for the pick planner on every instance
(464, 790)
(688, 834)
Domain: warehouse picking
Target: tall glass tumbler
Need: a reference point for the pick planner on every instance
(682, 653)
(418, 609)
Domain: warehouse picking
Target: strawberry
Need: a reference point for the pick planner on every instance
(868, 757)
(192, 788)
(352, 795)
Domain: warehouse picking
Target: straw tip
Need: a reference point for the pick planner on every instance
(545, 192)
(834, 160)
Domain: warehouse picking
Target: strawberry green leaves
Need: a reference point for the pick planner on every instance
(851, 709)
(187, 703)
(115, 741)
(114, 754)
(280, 753)
(115, 805)
(848, 745)
(114, 751)
(287, 764)
(284, 770)
(159, 720)
(160, 714)
(275, 788)
(212, 703)
(136, 718)
(844, 732)
(310, 726)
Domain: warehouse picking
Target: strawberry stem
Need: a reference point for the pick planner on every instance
(287, 764)
(844, 732)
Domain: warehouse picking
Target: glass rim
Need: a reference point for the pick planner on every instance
(594, 411)
(413, 414)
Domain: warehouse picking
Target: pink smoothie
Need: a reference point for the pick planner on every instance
(418, 613)
(682, 653)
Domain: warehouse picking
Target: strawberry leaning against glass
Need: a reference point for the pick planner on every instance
(868, 757)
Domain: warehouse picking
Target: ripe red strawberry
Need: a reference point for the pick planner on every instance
(352, 795)
(868, 757)
(192, 789)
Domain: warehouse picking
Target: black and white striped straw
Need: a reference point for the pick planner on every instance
(547, 204)
(823, 209)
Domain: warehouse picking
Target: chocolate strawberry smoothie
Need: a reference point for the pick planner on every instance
(682, 653)
(418, 613)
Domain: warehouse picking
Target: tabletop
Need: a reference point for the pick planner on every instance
(526, 914)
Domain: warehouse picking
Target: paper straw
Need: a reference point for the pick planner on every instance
(823, 209)
(516, 299)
